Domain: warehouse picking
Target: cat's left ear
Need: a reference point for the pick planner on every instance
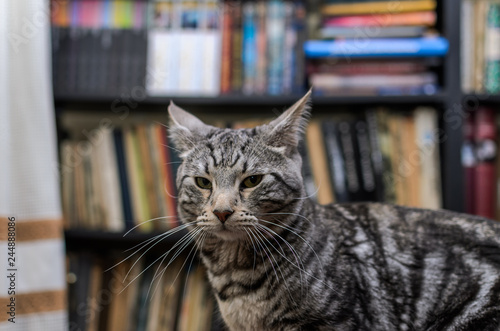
(286, 130)
(186, 130)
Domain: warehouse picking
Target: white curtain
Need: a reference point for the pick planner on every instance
(29, 184)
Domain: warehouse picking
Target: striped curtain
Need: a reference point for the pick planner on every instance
(32, 262)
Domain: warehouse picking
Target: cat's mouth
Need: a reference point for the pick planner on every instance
(230, 231)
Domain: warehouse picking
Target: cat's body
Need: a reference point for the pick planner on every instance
(382, 267)
(278, 261)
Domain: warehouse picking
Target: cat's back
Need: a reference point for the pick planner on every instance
(421, 269)
(412, 226)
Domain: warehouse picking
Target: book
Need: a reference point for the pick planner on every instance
(249, 30)
(363, 153)
(319, 165)
(425, 18)
(371, 66)
(327, 81)
(377, 7)
(486, 152)
(401, 47)
(332, 32)
(227, 22)
(386, 150)
(237, 46)
(428, 139)
(411, 165)
(125, 189)
(261, 74)
(275, 26)
(376, 155)
(336, 161)
(491, 53)
(469, 162)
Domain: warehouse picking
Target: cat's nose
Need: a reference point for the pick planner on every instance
(222, 215)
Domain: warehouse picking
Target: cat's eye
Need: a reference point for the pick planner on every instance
(203, 183)
(251, 181)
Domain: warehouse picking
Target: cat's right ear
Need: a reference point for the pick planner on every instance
(185, 130)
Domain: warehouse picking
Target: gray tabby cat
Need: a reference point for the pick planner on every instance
(278, 261)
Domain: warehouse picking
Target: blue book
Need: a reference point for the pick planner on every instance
(275, 26)
(249, 48)
(429, 46)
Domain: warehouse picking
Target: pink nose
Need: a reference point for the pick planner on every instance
(222, 215)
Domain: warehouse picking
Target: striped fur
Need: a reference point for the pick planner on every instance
(282, 262)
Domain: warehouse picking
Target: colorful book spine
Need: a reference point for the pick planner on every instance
(486, 151)
(237, 46)
(377, 7)
(400, 47)
(275, 45)
(492, 51)
(249, 47)
(426, 18)
(227, 21)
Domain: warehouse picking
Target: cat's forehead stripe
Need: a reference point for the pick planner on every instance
(226, 147)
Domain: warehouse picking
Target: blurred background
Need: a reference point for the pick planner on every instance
(404, 102)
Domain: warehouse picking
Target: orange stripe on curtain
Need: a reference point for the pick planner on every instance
(35, 302)
(28, 230)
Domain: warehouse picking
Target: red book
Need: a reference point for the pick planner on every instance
(486, 151)
(427, 18)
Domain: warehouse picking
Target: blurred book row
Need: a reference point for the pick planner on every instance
(210, 47)
(126, 176)
(191, 48)
(137, 297)
(376, 48)
(480, 46)
(384, 155)
(120, 179)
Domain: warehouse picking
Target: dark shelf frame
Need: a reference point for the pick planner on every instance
(261, 100)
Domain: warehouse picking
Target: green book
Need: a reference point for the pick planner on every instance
(492, 51)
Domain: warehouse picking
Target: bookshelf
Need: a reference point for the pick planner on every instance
(449, 101)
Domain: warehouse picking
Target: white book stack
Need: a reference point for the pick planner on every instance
(184, 48)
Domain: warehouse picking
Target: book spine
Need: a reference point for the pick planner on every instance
(469, 162)
(249, 48)
(426, 123)
(237, 45)
(299, 59)
(486, 151)
(225, 86)
(212, 41)
(336, 161)
(261, 75)
(377, 7)
(363, 154)
(427, 18)
(376, 154)
(275, 44)
(492, 51)
(436, 46)
(290, 35)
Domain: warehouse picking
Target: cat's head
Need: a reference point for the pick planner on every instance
(231, 181)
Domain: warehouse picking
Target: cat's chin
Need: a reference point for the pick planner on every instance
(229, 234)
